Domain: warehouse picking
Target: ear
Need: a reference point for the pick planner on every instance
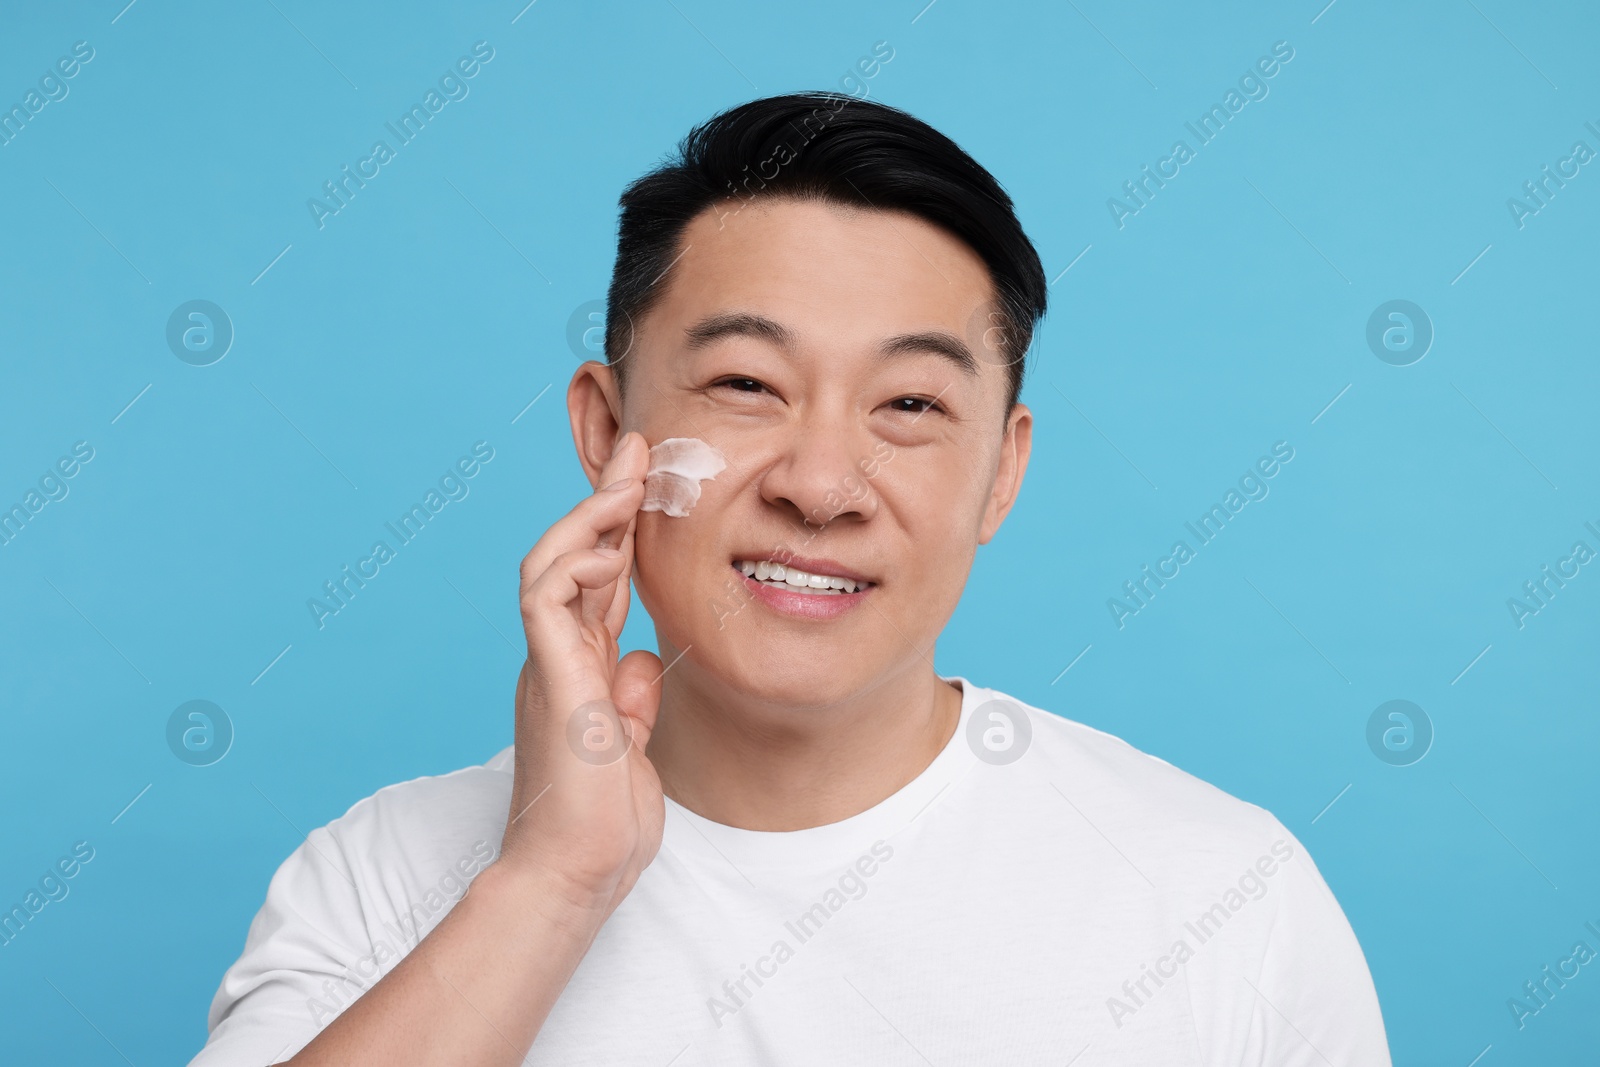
(594, 405)
(1015, 448)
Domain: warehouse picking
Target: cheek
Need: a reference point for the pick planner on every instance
(670, 561)
(656, 542)
(940, 509)
(936, 497)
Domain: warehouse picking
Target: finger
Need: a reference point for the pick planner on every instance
(636, 691)
(622, 595)
(548, 604)
(630, 460)
(609, 507)
(608, 606)
(624, 460)
(583, 526)
(568, 577)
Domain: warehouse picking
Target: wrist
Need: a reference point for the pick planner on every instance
(534, 891)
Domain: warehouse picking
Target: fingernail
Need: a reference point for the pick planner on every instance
(609, 553)
(621, 483)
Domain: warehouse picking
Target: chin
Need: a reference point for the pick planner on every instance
(783, 675)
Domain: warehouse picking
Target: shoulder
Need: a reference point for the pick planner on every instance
(418, 830)
(1209, 862)
(1196, 847)
(1151, 804)
(460, 794)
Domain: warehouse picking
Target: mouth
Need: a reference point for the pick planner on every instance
(793, 579)
(821, 589)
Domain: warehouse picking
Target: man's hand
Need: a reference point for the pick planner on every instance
(586, 807)
(585, 819)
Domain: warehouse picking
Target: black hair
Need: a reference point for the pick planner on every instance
(833, 147)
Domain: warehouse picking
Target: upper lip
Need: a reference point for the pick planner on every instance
(810, 565)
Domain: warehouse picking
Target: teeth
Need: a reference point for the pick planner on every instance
(795, 579)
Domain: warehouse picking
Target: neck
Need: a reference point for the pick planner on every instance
(763, 764)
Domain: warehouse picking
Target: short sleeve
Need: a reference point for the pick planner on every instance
(306, 958)
(1314, 1001)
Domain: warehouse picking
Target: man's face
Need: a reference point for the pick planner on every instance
(815, 346)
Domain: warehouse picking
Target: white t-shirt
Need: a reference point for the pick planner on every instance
(1043, 893)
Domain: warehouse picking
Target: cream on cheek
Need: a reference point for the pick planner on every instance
(677, 467)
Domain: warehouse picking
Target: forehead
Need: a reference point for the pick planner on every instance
(824, 269)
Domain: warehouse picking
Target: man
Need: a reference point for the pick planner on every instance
(785, 839)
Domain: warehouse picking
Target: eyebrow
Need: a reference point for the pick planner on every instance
(708, 331)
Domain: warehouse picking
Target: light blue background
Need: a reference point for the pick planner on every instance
(1224, 316)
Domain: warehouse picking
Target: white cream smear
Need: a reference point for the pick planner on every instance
(677, 467)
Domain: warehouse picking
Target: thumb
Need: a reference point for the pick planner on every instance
(636, 691)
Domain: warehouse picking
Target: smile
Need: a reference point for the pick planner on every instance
(793, 579)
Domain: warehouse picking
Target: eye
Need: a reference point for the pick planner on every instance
(743, 385)
(913, 405)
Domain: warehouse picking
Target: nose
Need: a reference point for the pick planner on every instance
(819, 478)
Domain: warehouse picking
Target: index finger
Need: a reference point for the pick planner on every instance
(606, 511)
